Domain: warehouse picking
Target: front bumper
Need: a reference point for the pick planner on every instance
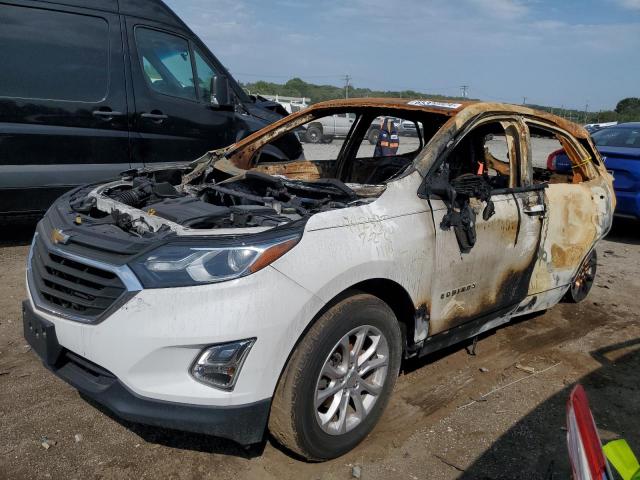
(244, 424)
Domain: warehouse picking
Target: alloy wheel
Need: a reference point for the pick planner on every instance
(351, 380)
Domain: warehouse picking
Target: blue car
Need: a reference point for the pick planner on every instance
(620, 149)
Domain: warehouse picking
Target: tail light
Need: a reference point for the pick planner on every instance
(585, 448)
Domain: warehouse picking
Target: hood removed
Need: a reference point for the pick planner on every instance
(148, 202)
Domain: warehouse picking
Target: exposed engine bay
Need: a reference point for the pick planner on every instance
(146, 202)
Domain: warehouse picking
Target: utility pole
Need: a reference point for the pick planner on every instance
(524, 100)
(347, 79)
(586, 109)
(463, 90)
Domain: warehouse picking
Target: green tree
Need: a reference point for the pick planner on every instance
(629, 105)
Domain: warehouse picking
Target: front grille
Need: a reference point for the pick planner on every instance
(69, 286)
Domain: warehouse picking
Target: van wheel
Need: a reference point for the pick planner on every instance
(314, 134)
(583, 281)
(373, 136)
(338, 380)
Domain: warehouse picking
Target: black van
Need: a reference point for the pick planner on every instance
(90, 88)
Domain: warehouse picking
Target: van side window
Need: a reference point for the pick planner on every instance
(166, 62)
(52, 55)
(205, 73)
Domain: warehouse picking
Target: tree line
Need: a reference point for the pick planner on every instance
(627, 110)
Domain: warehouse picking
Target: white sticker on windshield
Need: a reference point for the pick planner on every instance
(431, 103)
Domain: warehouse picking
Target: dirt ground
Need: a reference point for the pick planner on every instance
(452, 415)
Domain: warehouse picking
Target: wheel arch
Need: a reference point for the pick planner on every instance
(387, 290)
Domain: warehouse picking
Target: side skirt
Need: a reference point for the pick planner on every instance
(467, 330)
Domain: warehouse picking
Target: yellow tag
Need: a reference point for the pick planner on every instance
(151, 211)
(78, 220)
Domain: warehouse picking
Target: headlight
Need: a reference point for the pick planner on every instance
(176, 265)
(219, 365)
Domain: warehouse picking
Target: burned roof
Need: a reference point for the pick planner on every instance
(448, 108)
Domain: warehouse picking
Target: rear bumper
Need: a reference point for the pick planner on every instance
(244, 424)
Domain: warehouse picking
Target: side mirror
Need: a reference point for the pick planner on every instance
(220, 95)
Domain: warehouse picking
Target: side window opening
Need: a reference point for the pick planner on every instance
(483, 163)
(336, 147)
(489, 153)
(554, 157)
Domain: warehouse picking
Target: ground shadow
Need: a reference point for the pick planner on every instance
(184, 440)
(625, 230)
(535, 447)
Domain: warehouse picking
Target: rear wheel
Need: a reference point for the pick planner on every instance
(338, 380)
(314, 134)
(583, 281)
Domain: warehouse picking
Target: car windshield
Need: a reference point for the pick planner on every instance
(618, 137)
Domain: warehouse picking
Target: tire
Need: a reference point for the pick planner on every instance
(373, 136)
(316, 432)
(327, 139)
(583, 281)
(314, 134)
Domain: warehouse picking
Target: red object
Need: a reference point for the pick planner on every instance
(585, 447)
(551, 159)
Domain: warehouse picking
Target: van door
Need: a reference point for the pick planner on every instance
(63, 109)
(174, 119)
(486, 273)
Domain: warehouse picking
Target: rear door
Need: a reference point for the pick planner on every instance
(492, 276)
(576, 207)
(174, 119)
(63, 109)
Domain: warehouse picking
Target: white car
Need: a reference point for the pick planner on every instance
(256, 288)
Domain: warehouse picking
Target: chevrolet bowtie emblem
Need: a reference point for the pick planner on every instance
(58, 236)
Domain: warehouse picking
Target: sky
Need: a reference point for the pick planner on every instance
(553, 52)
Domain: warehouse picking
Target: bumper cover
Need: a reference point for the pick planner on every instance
(244, 424)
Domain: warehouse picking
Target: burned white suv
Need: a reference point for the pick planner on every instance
(265, 286)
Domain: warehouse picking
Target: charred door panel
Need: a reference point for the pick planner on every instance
(570, 230)
(495, 273)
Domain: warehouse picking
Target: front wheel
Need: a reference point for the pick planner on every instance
(338, 380)
(583, 281)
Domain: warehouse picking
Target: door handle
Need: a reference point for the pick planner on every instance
(107, 114)
(155, 116)
(534, 210)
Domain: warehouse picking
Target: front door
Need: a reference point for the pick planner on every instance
(486, 253)
(175, 120)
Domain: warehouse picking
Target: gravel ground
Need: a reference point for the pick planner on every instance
(452, 415)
